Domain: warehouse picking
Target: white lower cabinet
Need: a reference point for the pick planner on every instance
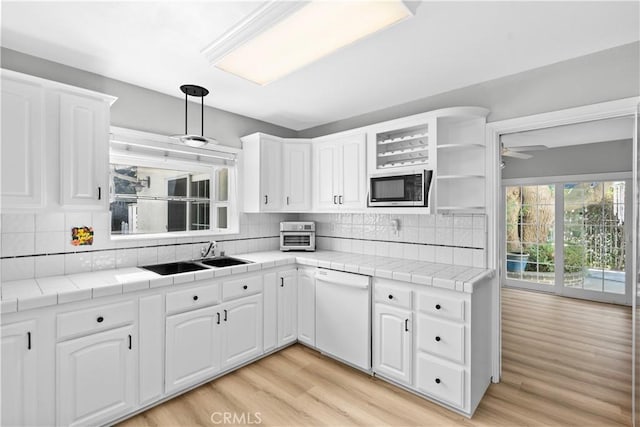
(192, 347)
(270, 300)
(96, 377)
(442, 380)
(19, 374)
(393, 350)
(434, 341)
(307, 306)
(287, 307)
(242, 330)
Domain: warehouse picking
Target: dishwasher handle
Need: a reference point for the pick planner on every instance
(333, 281)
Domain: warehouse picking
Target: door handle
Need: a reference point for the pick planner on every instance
(282, 282)
(28, 340)
(335, 200)
(287, 200)
(406, 325)
(99, 193)
(129, 341)
(340, 199)
(218, 318)
(266, 199)
(225, 315)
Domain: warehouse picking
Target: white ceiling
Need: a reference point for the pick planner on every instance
(447, 45)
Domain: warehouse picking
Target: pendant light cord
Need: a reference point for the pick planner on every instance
(186, 100)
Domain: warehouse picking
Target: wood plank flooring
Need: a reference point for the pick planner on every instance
(565, 363)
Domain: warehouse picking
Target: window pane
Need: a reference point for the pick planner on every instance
(222, 217)
(222, 177)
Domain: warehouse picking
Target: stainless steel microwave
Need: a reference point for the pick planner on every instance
(407, 189)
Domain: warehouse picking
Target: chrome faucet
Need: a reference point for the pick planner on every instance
(210, 248)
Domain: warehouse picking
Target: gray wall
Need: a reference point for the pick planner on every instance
(602, 157)
(143, 109)
(602, 76)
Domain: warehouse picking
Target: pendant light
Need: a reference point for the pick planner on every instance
(190, 139)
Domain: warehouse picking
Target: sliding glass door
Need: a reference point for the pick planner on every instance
(569, 238)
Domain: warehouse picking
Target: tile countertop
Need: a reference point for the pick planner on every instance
(21, 295)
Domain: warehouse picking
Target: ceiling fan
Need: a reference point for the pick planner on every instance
(520, 152)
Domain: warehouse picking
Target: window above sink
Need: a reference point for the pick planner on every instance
(164, 189)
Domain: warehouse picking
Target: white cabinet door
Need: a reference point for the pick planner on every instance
(392, 343)
(297, 176)
(19, 400)
(22, 144)
(271, 173)
(242, 330)
(151, 347)
(96, 377)
(326, 173)
(287, 307)
(84, 150)
(353, 177)
(192, 347)
(307, 306)
(270, 295)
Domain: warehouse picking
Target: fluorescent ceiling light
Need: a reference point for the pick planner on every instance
(306, 35)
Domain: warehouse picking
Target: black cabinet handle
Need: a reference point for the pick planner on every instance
(266, 199)
(218, 318)
(129, 341)
(100, 319)
(438, 381)
(438, 307)
(335, 200)
(245, 287)
(99, 193)
(282, 282)
(287, 200)
(28, 340)
(225, 315)
(390, 296)
(340, 199)
(406, 325)
(195, 297)
(438, 339)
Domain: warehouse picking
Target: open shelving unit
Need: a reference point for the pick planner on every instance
(460, 172)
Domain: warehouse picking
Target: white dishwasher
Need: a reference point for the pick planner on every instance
(343, 317)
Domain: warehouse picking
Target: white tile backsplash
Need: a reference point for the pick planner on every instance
(18, 223)
(14, 244)
(50, 221)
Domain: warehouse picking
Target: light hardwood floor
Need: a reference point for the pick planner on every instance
(565, 362)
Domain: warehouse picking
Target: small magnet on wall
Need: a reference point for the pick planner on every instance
(82, 236)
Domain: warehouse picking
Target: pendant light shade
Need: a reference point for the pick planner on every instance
(191, 139)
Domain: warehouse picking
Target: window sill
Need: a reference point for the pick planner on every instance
(171, 235)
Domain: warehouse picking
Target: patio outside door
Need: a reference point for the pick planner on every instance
(570, 238)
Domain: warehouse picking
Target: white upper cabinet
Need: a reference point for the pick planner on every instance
(55, 144)
(84, 150)
(340, 173)
(22, 144)
(296, 176)
(276, 174)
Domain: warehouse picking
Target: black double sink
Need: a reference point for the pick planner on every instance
(189, 266)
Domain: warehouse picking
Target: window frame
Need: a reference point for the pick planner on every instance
(162, 160)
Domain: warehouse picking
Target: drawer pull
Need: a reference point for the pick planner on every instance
(438, 339)
(438, 381)
(438, 307)
(245, 287)
(100, 319)
(390, 296)
(195, 297)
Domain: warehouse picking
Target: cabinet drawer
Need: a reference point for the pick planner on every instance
(193, 298)
(94, 319)
(393, 295)
(441, 338)
(242, 287)
(447, 307)
(438, 379)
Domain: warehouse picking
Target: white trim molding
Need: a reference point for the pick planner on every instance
(599, 111)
